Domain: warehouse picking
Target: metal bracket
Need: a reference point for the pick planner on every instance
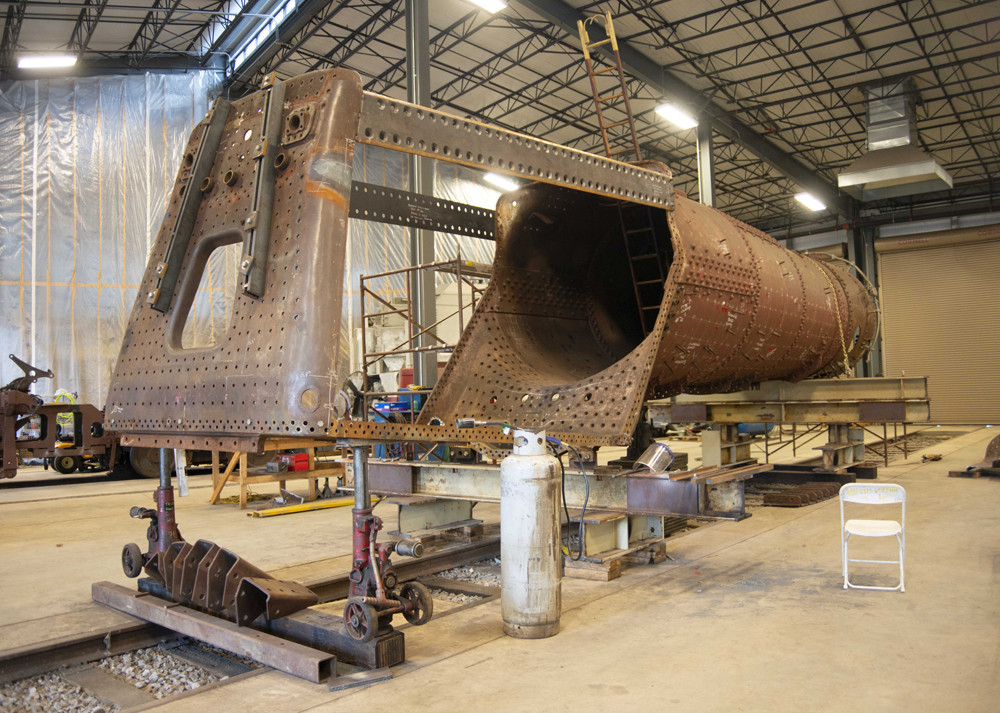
(387, 205)
(258, 224)
(197, 169)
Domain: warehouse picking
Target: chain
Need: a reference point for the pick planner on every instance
(840, 325)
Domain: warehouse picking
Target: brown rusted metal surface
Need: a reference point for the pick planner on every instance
(272, 373)
(213, 579)
(805, 494)
(557, 342)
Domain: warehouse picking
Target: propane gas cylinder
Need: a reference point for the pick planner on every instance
(530, 551)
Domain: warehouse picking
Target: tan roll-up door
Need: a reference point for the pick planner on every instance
(941, 314)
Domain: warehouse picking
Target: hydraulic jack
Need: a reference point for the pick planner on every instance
(373, 597)
(203, 575)
(162, 531)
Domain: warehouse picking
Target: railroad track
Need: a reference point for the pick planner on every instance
(90, 666)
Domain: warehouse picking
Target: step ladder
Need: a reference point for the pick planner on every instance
(644, 261)
(619, 92)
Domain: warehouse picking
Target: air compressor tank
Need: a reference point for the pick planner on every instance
(530, 551)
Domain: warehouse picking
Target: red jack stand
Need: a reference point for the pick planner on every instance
(203, 575)
(374, 598)
(162, 531)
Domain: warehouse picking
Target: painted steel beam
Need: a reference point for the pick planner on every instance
(706, 165)
(649, 72)
(150, 29)
(635, 494)
(11, 35)
(421, 175)
(869, 400)
(86, 23)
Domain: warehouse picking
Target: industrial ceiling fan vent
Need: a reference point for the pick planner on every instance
(894, 165)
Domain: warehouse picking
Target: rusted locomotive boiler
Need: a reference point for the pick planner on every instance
(596, 305)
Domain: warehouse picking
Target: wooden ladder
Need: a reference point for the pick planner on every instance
(619, 92)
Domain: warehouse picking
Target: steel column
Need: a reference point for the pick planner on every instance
(362, 498)
(421, 175)
(164, 468)
(706, 165)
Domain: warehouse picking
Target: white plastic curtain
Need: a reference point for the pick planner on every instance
(86, 166)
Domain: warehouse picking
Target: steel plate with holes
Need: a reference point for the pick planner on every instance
(270, 373)
(394, 124)
(272, 171)
(388, 205)
(596, 305)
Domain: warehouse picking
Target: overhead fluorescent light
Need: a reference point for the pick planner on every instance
(676, 116)
(46, 61)
(492, 6)
(501, 182)
(809, 201)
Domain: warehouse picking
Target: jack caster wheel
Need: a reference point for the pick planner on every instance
(132, 560)
(66, 464)
(361, 620)
(423, 603)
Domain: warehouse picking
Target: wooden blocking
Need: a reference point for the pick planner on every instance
(597, 571)
(465, 533)
(654, 554)
(424, 537)
(325, 632)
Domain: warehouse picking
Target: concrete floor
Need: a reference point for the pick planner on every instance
(748, 616)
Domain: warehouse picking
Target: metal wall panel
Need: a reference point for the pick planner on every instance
(942, 320)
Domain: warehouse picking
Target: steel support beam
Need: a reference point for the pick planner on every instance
(86, 23)
(102, 66)
(293, 32)
(653, 75)
(11, 35)
(421, 175)
(706, 165)
(149, 31)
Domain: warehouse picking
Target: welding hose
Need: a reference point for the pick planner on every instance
(556, 443)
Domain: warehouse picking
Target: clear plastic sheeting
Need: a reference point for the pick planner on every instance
(86, 166)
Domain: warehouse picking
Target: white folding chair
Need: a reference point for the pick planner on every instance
(873, 494)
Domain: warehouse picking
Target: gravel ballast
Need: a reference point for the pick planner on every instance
(157, 671)
(49, 693)
(485, 573)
